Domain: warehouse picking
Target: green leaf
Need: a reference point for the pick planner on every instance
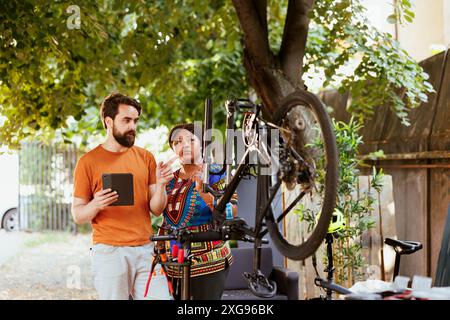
(392, 19)
(406, 3)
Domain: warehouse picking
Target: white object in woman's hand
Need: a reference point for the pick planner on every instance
(164, 172)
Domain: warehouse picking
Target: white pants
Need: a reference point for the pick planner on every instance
(121, 272)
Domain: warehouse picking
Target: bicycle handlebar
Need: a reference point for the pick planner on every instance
(244, 104)
(202, 236)
(186, 236)
(163, 238)
(191, 237)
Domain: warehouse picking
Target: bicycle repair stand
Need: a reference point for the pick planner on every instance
(185, 267)
(234, 229)
(257, 282)
(185, 277)
(161, 258)
(328, 284)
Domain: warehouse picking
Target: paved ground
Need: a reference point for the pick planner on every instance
(10, 243)
(51, 265)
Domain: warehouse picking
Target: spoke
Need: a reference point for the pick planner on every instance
(292, 205)
(276, 203)
(276, 187)
(261, 215)
(299, 197)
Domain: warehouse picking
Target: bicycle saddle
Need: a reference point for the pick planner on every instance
(403, 247)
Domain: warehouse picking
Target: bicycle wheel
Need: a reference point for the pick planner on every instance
(307, 173)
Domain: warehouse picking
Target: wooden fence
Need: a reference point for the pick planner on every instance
(417, 159)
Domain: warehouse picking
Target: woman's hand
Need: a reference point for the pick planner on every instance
(198, 178)
(164, 172)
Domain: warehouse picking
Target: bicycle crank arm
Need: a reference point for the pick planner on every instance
(259, 285)
(331, 286)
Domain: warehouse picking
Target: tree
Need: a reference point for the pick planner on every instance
(166, 54)
(337, 33)
(171, 55)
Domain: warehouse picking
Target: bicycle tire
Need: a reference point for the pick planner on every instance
(307, 248)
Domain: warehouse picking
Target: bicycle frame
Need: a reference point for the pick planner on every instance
(233, 183)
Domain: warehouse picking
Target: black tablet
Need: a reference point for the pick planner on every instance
(123, 184)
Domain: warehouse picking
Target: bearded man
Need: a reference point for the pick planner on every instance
(121, 247)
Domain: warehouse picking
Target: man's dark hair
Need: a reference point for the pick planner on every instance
(110, 105)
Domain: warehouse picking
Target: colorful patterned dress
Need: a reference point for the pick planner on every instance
(186, 209)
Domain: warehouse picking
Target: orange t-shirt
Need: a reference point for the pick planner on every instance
(118, 225)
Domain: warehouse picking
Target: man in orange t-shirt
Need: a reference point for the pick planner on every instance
(121, 251)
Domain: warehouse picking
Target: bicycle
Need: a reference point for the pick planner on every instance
(296, 148)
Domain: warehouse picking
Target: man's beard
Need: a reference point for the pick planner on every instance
(125, 139)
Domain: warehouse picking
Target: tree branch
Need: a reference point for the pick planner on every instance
(294, 40)
(261, 10)
(252, 17)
